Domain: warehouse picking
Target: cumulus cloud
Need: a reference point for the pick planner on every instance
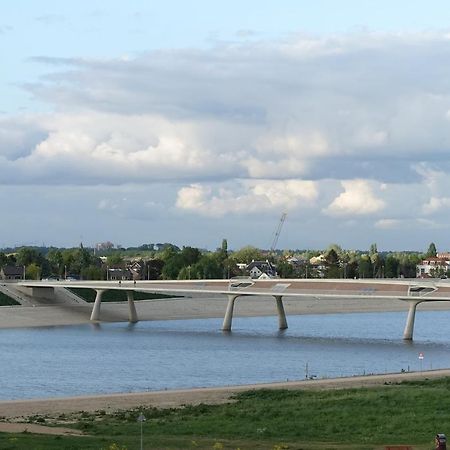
(436, 204)
(250, 127)
(264, 195)
(339, 106)
(358, 198)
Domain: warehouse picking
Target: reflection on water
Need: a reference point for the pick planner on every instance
(118, 357)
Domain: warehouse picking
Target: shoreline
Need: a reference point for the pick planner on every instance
(16, 410)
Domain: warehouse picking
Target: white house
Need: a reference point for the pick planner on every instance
(434, 266)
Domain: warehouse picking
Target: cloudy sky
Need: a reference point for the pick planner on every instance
(189, 122)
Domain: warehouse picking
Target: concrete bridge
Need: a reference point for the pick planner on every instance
(413, 292)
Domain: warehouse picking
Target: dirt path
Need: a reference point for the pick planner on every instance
(37, 429)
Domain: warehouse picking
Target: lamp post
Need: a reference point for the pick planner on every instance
(141, 419)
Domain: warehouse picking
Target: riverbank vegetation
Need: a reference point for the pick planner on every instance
(88, 295)
(6, 300)
(167, 261)
(409, 413)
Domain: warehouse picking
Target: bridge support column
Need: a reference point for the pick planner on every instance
(228, 319)
(95, 315)
(132, 314)
(409, 327)
(282, 322)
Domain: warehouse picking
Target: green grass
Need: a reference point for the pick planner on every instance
(6, 300)
(358, 419)
(115, 295)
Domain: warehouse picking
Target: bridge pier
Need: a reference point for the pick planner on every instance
(228, 319)
(282, 322)
(95, 315)
(132, 314)
(409, 327)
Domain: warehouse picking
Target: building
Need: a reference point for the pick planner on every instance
(261, 270)
(434, 266)
(12, 273)
(119, 275)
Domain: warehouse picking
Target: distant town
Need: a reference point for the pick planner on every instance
(106, 261)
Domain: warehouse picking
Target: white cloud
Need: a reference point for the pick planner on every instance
(245, 198)
(436, 205)
(309, 107)
(250, 128)
(357, 199)
(387, 224)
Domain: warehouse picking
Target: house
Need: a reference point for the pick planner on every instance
(137, 269)
(261, 269)
(119, 274)
(434, 266)
(11, 273)
(318, 266)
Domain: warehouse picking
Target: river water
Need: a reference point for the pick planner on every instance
(119, 357)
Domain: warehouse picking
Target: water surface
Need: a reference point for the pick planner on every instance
(119, 357)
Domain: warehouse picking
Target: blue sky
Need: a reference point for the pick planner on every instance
(193, 121)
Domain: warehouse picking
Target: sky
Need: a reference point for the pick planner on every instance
(190, 122)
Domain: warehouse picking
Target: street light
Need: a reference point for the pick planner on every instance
(141, 419)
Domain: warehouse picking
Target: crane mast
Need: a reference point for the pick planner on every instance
(277, 232)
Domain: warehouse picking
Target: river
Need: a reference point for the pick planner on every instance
(119, 357)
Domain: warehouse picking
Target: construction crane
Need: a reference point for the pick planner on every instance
(277, 232)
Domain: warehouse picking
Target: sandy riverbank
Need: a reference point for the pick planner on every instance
(17, 409)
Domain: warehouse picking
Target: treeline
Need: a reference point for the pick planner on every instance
(172, 262)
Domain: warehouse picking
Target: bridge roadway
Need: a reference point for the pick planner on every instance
(414, 292)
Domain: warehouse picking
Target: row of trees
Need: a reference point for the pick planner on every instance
(171, 262)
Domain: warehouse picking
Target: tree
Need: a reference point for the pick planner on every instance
(332, 260)
(364, 267)
(391, 267)
(172, 267)
(154, 268)
(55, 260)
(377, 265)
(114, 260)
(190, 255)
(247, 255)
(91, 273)
(32, 272)
(285, 270)
(27, 256)
(3, 259)
(431, 250)
(208, 267)
(373, 249)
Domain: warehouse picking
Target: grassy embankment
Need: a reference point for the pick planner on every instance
(6, 300)
(358, 419)
(115, 295)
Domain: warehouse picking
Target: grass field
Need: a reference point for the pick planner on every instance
(6, 300)
(355, 419)
(114, 295)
